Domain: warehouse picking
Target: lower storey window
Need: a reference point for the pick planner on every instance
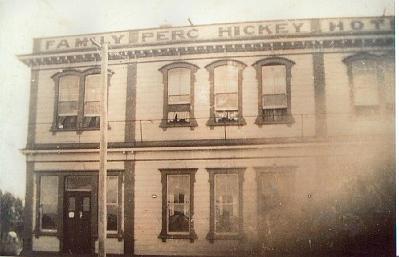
(112, 204)
(226, 203)
(177, 204)
(48, 203)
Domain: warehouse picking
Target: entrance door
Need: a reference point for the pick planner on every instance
(77, 213)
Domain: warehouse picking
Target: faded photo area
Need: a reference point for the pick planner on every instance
(263, 137)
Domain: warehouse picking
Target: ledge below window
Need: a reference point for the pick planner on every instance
(240, 122)
(211, 237)
(39, 233)
(77, 130)
(192, 236)
(192, 124)
(288, 120)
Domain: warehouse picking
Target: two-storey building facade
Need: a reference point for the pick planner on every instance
(224, 139)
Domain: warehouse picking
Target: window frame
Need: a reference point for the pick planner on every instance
(81, 99)
(380, 60)
(166, 108)
(273, 61)
(38, 231)
(164, 235)
(211, 69)
(119, 232)
(212, 234)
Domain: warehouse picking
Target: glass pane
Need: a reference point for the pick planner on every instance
(274, 101)
(274, 79)
(112, 217)
(67, 122)
(92, 108)
(68, 89)
(226, 203)
(276, 190)
(112, 189)
(71, 203)
(226, 101)
(93, 88)
(179, 84)
(48, 202)
(226, 79)
(178, 117)
(365, 83)
(178, 203)
(179, 99)
(67, 108)
(76, 183)
(86, 203)
(226, 116)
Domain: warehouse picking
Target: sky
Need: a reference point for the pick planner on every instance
(21, 21)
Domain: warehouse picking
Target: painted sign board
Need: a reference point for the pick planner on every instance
(247, 30)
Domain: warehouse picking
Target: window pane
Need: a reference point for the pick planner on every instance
(48, 202)
(112, 189)
(226, 101)
(76, 183)
(67, 108)
(365, 85)
(68, 89)
(226, 203)
(226, 79)
(112, 217)
(86, 203)
(276, 190)
(274, 79)
(274, 101)
(178, 189)
(178, 117)
(179, 85)
(92, 95)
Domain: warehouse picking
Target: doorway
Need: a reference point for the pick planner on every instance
(77, 227)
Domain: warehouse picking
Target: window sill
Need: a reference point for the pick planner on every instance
(192, 124)
(77, 130)
(45, 233)
(192, 236)
(288, 120)
(240, 122)
(211, 237)
(115, 235)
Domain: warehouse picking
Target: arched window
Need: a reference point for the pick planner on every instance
(274, 90)
(372, 83)
(178, 80)
(225, 79)
(77, 99)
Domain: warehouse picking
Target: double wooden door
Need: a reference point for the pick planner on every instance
(77, 227)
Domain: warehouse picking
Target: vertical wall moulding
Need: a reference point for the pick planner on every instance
(320, 94)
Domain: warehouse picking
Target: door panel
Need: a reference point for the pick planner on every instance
(77, 232)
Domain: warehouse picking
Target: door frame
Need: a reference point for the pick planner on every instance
(93, 205)
(81, 194)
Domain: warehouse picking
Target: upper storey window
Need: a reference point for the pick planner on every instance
(226, 93)
(92, 104)
(68, 99)
(78, 100)
(372, 83)
(178, 81)
(274, 90)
